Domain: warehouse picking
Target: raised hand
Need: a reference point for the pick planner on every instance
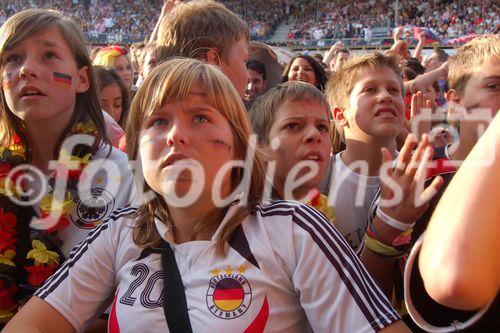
(398, 33)
(404, 196)
(421, 110)
(421, 37)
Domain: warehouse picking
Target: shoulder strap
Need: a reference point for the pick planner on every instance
(174, 296)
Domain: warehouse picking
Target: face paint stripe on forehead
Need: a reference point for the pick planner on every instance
(62, 80)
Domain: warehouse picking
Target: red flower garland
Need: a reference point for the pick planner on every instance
(39, 271)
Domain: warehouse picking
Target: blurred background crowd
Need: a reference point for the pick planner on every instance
(305, 23)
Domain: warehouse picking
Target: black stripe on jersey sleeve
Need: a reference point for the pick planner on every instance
(370, 299)
(56, 279)
(277, 208)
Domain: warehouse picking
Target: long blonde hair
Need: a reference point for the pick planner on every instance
(173, 80)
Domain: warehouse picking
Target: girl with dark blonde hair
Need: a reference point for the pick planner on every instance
(200, 251)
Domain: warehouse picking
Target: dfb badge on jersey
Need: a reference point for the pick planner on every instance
(91, 207)
(229, 294)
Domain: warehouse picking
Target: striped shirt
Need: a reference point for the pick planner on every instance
(286, 270)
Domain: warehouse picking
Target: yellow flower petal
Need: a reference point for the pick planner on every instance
(41, 255)
(323, 207)
(66, 159)
(6, 258)
(49, 204)
(17, 150)
(86, 127)
(86, 159)
(5, 316)
(38, 245)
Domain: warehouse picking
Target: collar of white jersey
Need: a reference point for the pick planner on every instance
(166, 232)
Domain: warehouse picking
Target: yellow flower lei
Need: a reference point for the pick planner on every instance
(45, 261)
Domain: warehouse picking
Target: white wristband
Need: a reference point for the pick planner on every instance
(393, 222)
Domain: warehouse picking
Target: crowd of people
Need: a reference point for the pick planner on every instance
(347, 19)
(128, 21)
(183, 185)
(121, 21)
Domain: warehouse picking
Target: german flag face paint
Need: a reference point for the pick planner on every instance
(6, 81)
(62, 80)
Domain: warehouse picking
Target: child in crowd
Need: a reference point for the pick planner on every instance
(207, 30)
(219, 257)
(366, 96)
(474, 93)
(52, 132)
(113, 94)
(292, 122)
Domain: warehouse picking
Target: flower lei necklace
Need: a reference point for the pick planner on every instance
(27, 258)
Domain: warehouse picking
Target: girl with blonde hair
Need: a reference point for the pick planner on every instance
(200, 251)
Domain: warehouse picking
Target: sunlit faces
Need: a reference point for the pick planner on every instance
(304, 133)
(376, 107)
(256, 86)
(481, 94)
(43, 79)
(234, 65)
(124, 69)
(189, 133)
(112, 100)
(302, 70)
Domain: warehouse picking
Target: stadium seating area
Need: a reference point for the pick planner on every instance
(128, 21)
(347, 19)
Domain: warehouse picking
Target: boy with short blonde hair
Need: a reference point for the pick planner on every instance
(366, 97)
(292, 122)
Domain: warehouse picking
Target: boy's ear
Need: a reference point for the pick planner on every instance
(82, 80)
(452, 96)
(339, 116)
(213, 56)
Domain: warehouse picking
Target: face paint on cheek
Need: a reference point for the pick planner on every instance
(222, 144)
(62, 80)
(6, 81)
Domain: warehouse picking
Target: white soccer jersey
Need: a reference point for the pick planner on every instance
(110, 187)
(286, 270)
